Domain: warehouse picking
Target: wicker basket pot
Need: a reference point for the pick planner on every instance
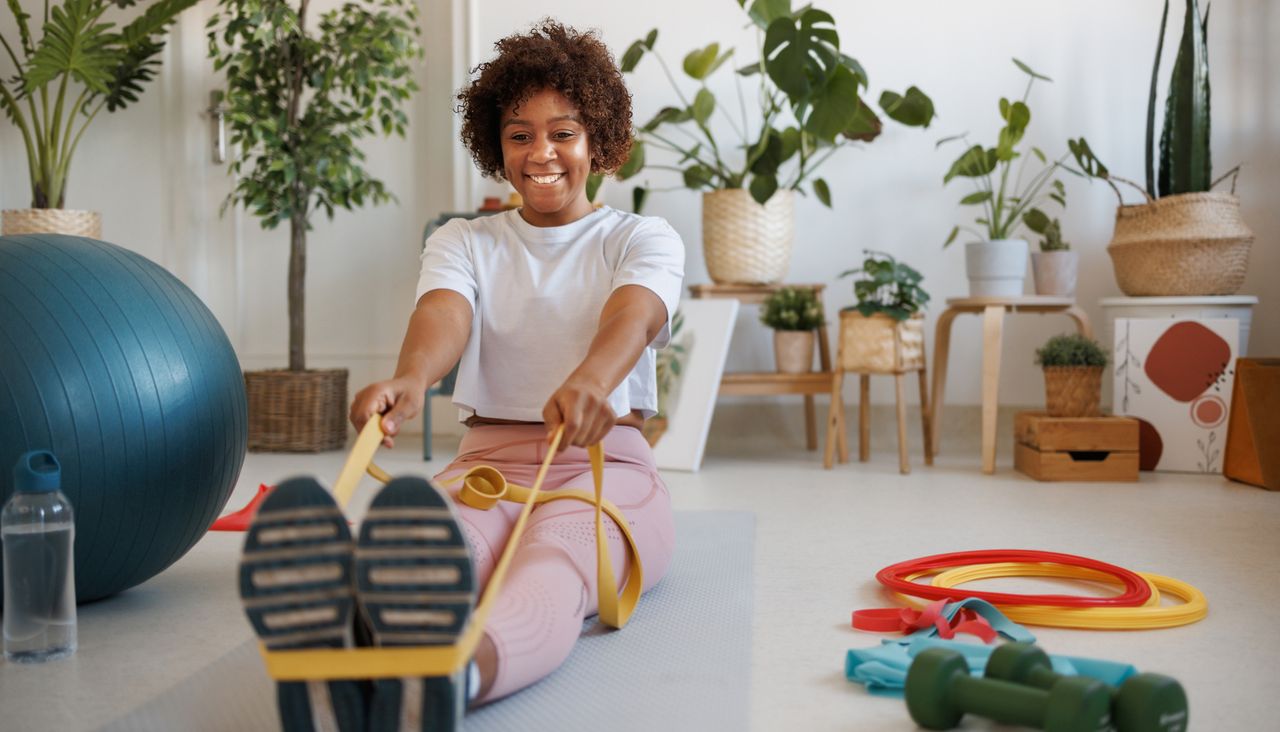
(1073, 391)
(297, 411)
(793, 351)
(878, 344)
(1188, 244)
(51, 221)
(743, 242)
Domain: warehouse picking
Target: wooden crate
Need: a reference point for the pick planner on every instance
(1076, 448)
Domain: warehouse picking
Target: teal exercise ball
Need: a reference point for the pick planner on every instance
(111, 363)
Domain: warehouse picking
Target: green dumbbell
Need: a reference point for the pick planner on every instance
(1143, 703)
(940, 692)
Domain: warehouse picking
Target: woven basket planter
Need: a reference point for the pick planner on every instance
(1073, 391)
(793, 351)
(51, 221)
(745, 243)
(297, 411)
(879, 344)
(1188, 244)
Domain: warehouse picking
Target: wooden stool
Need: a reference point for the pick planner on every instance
(992, 310)
(899, 356)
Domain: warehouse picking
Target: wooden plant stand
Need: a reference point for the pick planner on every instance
(771, 382)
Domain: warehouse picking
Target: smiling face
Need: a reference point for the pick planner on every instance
(547, 157)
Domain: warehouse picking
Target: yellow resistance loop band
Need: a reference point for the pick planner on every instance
(489, 485)
(1151, 615)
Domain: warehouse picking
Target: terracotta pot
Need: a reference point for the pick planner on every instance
(793, 351)
(878, 344)
(1188, 244)
(743, 242)
(1055, 272)
(1073, 391)
(51, 221)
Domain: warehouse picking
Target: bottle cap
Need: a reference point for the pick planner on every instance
(37, 472)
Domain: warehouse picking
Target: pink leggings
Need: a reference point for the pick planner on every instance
(551, 585)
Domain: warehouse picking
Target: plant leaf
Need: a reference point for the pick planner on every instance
(823, 193)
(638, 196)
(914, 109)
(634, 163)
(700, 63)
(704, 104)
(1028, 70)
(975, 198)
(764, 12)
(836, 109)
(762, 187)
(801, 54)
(973, 163)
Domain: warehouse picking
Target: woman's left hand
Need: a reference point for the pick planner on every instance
(583, 408)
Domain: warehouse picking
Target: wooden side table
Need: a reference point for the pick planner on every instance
(772, 382)
(993, 310)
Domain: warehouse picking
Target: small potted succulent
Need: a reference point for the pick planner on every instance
(794, 314)
(884, 332)
(1073, 367)
(1055, 266)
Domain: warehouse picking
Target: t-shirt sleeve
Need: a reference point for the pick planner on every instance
(447, 263)
(654, 259)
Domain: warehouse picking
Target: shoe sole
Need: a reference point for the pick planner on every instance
(296, 584)
(416, 587)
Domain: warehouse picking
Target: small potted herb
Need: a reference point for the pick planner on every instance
(1073, 367)
(884, 332)
(1055, 266)
(794, 314)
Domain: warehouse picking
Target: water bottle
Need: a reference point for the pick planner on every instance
(39, 580)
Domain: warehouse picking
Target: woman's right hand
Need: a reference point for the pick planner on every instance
(397, 400)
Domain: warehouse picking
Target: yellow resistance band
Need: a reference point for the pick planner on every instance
(482, 485)
(1148, 616)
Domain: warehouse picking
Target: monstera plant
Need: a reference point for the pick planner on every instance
(810, 101)
(67, 68)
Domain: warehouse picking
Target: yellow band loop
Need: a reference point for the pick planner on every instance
(483, 486)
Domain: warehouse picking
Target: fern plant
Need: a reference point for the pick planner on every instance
(80, 64)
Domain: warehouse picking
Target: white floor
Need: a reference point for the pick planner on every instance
(821, 536)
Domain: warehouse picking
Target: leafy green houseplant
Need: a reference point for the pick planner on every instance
(1073, 366)
(66, 70)
(794, 314)
(1184, 239)
(301, 94)
(884, 331)
(1009, 197)
(809, 104)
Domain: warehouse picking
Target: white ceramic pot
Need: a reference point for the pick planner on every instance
(996, 268)
(1055, 272)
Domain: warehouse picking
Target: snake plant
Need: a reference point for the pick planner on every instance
(1185, 164)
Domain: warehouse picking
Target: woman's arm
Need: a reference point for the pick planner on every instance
(438, 331)
(631, 318)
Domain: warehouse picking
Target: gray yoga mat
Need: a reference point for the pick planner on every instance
(682, 663)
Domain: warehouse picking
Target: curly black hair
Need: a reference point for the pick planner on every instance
(550, 56)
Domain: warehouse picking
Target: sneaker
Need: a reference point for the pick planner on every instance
(416, 587)
(296, 584)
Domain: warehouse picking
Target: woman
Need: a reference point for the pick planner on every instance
(553, 312)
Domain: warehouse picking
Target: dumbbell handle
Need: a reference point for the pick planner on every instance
(1002, 701)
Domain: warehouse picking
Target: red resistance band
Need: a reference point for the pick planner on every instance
(1137, 591)
(909, 620)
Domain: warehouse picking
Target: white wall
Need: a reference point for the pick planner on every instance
(145, 168)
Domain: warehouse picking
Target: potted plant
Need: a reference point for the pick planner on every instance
(996, 262)
(300, 95)
(884, 331)
(1054, 267)
(810, 105)
(1183, 239)
(794, 314)
(1072, 375)
(79, 65)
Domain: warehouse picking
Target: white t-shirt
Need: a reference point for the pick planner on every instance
(536, 294)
